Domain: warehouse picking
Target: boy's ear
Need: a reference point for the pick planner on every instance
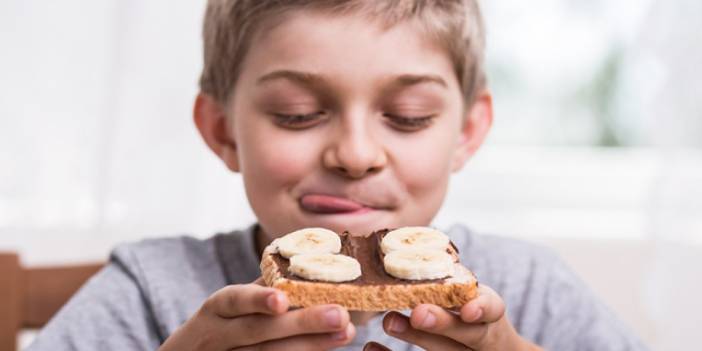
(212, 123)
(475, 127)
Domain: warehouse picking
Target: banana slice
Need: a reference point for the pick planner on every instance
(308, 241)
(325, 267)
(414, 238)
(418, 264)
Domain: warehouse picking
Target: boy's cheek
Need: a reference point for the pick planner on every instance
(270, 153)
(280, 165)
(278, 169)
(423, 164)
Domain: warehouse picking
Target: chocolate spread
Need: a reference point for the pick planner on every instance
(367, 251)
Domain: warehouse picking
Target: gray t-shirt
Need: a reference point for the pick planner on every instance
(151, 287)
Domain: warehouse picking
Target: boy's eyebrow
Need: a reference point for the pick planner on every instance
(295, 76)
(405, 80)
(311, 79)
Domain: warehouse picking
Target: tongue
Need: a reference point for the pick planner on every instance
(328, 204)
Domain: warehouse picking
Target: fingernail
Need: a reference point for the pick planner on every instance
(272, 301)
(477, 314)
(429, 321)
(398, 324)
(333, 317)
(340, 335)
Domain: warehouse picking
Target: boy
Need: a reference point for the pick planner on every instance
(349, 115)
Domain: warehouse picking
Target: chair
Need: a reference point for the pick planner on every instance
(29, 297)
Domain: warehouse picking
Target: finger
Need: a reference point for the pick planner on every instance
(258, 328)
(238, 300)
(488, 307)
(307, 342)
(374, 346)
(259, 281)
(399, 326)
(436, 320)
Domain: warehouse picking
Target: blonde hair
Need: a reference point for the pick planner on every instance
(230, 25)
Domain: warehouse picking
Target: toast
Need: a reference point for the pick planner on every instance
(375, 289)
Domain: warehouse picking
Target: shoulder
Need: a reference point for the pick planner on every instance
(181, 253)
(204, 265)
(158, 264)
(146, 290)
(174, 275)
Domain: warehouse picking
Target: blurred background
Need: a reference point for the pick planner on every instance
(596, 149)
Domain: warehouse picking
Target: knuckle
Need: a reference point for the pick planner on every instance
(494, 310)
(500, 312)
(249, 331)
(209, 339)
(481, 336)
(445, 321)
(477, 337)
(234, 298)
(207, 307)
(411, 336)
(231, 300)
(225, 300)
(308, 319)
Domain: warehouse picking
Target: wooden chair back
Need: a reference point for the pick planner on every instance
(30, 296)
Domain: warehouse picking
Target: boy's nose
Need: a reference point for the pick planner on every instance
(354, 155)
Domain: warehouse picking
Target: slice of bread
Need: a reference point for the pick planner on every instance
(375, 290)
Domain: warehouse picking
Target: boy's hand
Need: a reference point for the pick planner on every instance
(480, 324)
(254, 317)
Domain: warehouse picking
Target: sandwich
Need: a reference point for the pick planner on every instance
(383, 270)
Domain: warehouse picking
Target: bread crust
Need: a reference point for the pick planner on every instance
(452, 292)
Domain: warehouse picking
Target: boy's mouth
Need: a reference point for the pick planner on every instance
(329, 204)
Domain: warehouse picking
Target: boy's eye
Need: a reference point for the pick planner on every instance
(409, 124)
(298, 121)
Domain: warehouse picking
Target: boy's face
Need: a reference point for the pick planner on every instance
(336, 123)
